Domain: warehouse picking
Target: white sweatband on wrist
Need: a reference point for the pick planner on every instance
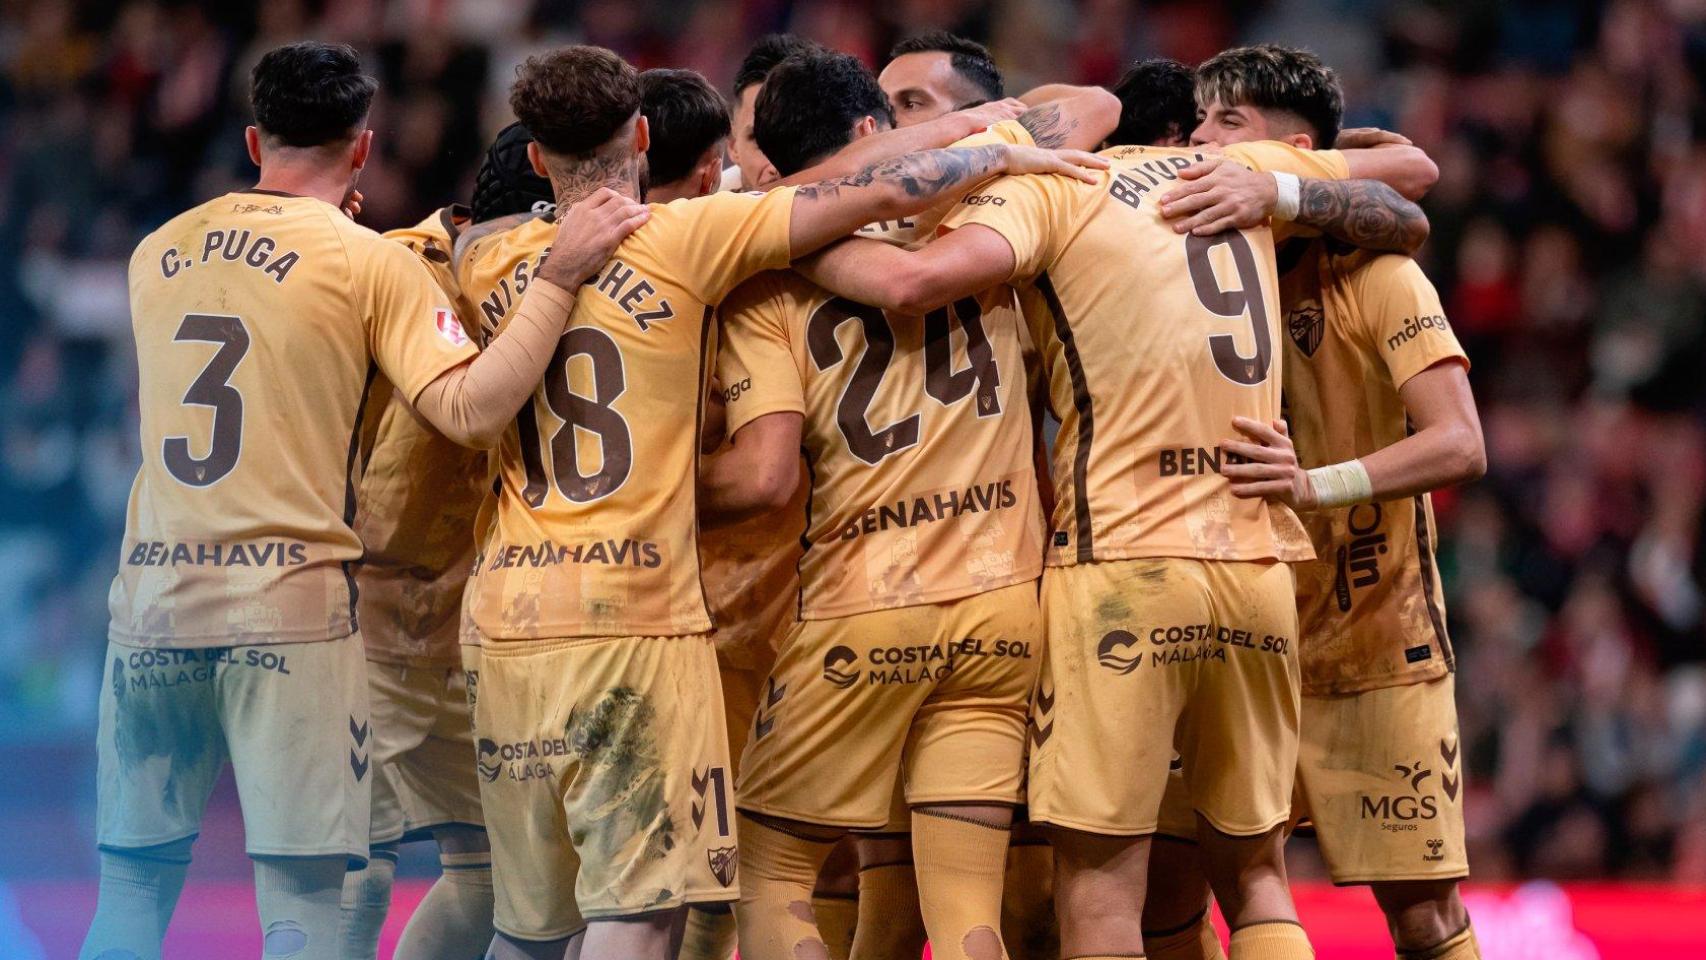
(1340, 484)
(1290, 197)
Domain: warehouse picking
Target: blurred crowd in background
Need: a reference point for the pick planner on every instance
(1569, 243)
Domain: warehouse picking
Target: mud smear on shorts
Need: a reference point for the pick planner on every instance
(616, 744)
(176, 722)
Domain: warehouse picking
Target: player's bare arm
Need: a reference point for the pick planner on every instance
(1061, 115)
(756, 473)
(913, 282)
(472, 404)
(1221, 194)
(1445, 449)
(831, 209)
(899, 141)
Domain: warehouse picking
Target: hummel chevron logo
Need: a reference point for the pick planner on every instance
(358, 733)
(1448, 753)
(358, 766)
(772, 696)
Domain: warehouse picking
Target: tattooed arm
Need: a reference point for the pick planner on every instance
(830, 209)
(1221, 194)
(1079, 118)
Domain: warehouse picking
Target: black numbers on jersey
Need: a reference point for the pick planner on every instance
(941, 381)
(591, 415)
(211, 389)
(1247, 298)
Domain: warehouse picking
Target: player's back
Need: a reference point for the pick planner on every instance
(1153, 342)
(917, 437)
(251, 315)
(596, 529)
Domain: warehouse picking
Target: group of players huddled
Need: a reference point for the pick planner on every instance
(643, 504)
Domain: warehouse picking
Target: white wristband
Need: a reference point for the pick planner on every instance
(1340, 484)
(1290, 197)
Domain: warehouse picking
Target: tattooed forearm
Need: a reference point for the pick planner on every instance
(919, 176)
(1046, 125)
(1364, 213)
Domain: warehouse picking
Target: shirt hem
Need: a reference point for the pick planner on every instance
(944, 595)
(204, 640)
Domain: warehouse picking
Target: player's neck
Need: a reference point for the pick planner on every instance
(572, 184)
(305, 180)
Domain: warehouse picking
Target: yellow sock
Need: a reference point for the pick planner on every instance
(889, 924)
(1461, 946)
(837, 917)
(1195, 940)
(961, 865)
(709, 936)
(774, 912)
(1274, 940)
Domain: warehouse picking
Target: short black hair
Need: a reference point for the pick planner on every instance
(575, 99)
(766, 53)
(809, 105)
(308, 94)
(1272, 77)
(1158, 103)
(970, 59)
(687, 117)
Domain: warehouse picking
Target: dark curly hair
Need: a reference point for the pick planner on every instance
(576, 99)
(309, 94)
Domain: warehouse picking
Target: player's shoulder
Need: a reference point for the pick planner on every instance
(777, 292)
(435, 236)
(495, 254)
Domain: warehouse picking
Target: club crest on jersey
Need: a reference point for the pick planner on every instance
(723, 862)
(449, 327)
(1306, 325)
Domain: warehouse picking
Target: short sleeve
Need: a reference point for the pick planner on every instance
(725, 238)
(1271, 156)
(1025, 211)
(1401, 314)
(1010, 132)
(412, 330)
(755, 358)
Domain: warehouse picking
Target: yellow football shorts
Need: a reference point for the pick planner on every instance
(423, 753)
(291, 718)
(1152, 657)
(936, 694)
(606, 791)
(1380, 775)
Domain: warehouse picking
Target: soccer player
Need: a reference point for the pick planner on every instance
(1381, 414)
(415, 515)
(690, 130)
(1167, 601)
(937, 72)
(755, 170)
(260, 317)
(596, 671)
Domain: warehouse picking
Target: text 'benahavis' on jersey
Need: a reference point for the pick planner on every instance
(1359, 326)
(1145, 397)
(258, 319)
(418, 497)
(596, 529)
(917, 431)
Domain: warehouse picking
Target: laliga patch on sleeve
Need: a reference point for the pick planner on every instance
(1061, 538)
(1418, 654)
(449, 327)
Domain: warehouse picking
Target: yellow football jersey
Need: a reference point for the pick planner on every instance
(917, 439)
(1358, 325)
(596, 531)
(258, 318)
(415, 510)
(1152, 342)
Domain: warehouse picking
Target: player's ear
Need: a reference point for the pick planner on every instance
(642, 135)
(363, 150)
(1301, 141)
(252, 140)
(710, 171)
(537, 159)
(866, 126)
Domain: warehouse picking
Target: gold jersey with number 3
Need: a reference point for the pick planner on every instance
(596, 526)
(1153, 341)
(258, 319)
(1358, 326)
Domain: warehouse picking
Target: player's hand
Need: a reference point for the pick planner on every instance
(352, 204)
(986, 115)
(1072, 163)
(1271, 470)
(588, 233)
(1219, 195)
(1362, 138)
